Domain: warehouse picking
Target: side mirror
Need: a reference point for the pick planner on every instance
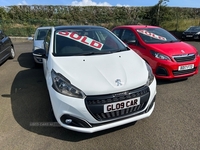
(134, 42)
(40, 53)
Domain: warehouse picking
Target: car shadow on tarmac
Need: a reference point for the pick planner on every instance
(32, 108)
(164, 81)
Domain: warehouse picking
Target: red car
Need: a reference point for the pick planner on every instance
(169, 57)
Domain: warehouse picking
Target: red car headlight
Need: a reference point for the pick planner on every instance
(159, 55)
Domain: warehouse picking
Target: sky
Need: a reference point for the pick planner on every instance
(126, 3)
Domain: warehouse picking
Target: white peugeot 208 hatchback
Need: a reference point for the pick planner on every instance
(95, 81)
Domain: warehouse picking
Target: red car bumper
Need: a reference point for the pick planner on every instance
(172, 70)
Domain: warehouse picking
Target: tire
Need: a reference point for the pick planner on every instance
(12, 53)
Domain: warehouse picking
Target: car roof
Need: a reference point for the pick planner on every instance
(194, 26)
(45, 27)
(78, 26)
(137, 26)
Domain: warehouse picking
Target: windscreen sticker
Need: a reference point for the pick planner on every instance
(145, 32)
(82, 39)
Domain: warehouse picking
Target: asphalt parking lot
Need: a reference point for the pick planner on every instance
(26, 120)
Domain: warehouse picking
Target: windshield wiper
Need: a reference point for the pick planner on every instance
(96, 53)
(120, 50)
(101, 52)
(172, 41)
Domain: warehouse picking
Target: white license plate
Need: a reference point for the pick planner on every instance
(186, 67)
(121, 105)
(189, 35)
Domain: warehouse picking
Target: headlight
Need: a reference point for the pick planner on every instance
(198, 33)
(150, 75)
(63, 86)
(159, 55)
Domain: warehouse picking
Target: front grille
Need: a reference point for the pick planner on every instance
(184, 58)
(182, 72)
(95, 104)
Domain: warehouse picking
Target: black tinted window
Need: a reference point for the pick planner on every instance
(193, 29)
(117, 32)
(128, 35)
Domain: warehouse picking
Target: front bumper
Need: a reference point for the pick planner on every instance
(74, 114)
(169, 70)
(190, 36)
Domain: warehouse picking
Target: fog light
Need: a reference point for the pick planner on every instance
(68, 121)
(73, 121)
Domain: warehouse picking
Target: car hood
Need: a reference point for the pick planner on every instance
(170, 49)
(99, 74)
(38, 43)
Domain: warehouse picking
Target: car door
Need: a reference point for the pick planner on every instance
(130, 38)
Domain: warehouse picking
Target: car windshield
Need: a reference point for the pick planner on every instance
(193, 29)
(156, 35)
(92, 41)
(41, 34)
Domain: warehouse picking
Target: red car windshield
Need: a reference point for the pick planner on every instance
(156, 35)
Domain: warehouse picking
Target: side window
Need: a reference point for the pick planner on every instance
(41, 34)
(47, 42)
(116, 32)
(128, 35)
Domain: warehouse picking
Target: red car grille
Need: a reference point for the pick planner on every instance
(184, 58)
(177, 73)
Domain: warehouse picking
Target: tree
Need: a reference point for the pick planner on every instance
(158, 11)
(161, 3)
